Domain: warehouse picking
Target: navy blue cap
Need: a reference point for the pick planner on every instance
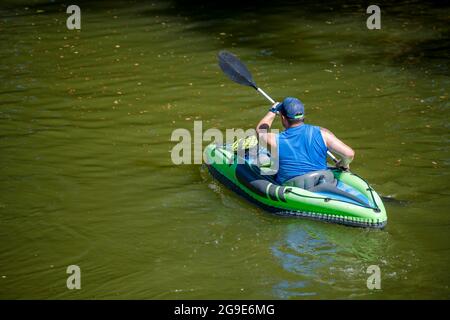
(293, 108)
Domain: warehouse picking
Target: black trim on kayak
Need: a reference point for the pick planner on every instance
(290, 213)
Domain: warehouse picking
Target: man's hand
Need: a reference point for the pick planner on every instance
(340, 165)
(264, 125)
(276, 107)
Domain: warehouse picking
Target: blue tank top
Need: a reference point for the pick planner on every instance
(300, 150)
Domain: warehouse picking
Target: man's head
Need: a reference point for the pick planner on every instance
(292, 112)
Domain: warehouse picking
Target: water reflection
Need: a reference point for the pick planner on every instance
(303, 252)
(319, 258)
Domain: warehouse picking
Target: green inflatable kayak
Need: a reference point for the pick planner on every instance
(254, 181)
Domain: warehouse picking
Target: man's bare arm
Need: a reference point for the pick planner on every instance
(337, 146)
(263, 128)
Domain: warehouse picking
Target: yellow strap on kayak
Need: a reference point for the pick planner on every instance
(245, 143)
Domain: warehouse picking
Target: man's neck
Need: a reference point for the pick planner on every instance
(296, 125)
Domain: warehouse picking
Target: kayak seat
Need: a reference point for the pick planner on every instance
(321, 181)
(312, 179)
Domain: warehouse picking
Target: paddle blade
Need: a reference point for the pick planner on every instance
(235, 69)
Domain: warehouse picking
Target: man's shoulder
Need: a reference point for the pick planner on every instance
(325, 130)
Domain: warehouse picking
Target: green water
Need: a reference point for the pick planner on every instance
(86, 176)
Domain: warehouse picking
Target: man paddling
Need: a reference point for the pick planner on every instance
(302, 148)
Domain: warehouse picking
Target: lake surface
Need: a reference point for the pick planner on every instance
(87, 179)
